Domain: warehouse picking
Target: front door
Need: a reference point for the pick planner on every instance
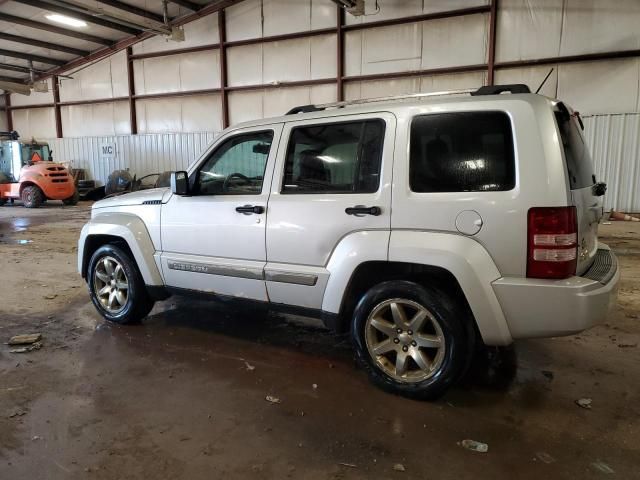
(214, 240)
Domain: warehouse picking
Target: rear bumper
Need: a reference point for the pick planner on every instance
(552, 308)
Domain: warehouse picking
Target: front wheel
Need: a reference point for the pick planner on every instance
(411, 340)
(116, 287)
(73, 199)
(32, 196)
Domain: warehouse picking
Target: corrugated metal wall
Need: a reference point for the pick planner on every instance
(141, 154)
(614, 142)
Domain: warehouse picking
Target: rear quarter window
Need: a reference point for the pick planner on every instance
(576, 153)
(461, 152)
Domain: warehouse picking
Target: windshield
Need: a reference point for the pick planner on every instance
(33, 152)
(579, 166)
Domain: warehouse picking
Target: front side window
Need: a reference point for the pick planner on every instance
(335, 158)
(236, 167)
(462, 152)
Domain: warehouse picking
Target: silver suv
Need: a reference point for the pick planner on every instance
(423, 225)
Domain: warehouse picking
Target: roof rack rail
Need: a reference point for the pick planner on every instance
(498, 89)
(361, 101)
(487, 90)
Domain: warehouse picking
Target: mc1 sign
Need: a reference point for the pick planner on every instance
(107, 150)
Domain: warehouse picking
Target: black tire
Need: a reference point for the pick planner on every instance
(456, 332)
(2, 201)
(73, 199)
(138, 302)
(32, 196)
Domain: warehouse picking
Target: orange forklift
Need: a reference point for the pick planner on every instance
(28, 173)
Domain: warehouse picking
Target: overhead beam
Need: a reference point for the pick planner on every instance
(125, 7)
(12, 79)
(187, 4)
(127, 42)
(13, 68)
(5, 17)
(30, 56)
(40, 43)
(69, 12)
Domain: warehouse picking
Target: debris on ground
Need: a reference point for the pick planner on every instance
(248, 366)
(272, 399)
(627, 345)
(475, 446)
(398, 467)
(17, 413)
(26, 339)
(315, 386)
(27, 349)
(350, 465)
(548, 374)
(50, 297)
(545, 457)
(603, 467)
(584, 402)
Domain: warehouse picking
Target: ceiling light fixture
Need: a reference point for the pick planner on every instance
(72, 22)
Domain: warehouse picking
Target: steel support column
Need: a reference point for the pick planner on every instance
(56, 105)
(493, 14)
(7, 109)
(340, 54)
(133, 117)
(224, 94)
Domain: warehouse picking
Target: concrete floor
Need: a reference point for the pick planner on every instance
(177, 397)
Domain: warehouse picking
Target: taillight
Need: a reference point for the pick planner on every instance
(552, 247)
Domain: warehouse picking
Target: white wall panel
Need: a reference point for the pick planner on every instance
(33, 99)
(181, 114)
(104, 79)
(98, 119)
(401, 86)
(284, 61)
(244, 65)
(381, 50)
(323, 14)
(255, 104)
(244, 20)
(451, 42)
(433, 6)
(614, 142)
(140, 154)
(601, 87)
(177, 73)
(388, 9)
(592, 26)
(531, 76)
(528, 29)
(203, 31)
(34, 122)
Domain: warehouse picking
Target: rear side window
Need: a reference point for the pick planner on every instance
(335, 158)
(576, 153)
(461, 152)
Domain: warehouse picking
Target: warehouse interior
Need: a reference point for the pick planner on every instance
(138, 88)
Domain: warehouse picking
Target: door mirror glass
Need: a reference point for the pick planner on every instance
(180, 183)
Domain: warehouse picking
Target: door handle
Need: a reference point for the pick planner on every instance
(360, 210)
(248, 209)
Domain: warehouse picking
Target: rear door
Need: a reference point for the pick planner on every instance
(581, 182)
(333, 178)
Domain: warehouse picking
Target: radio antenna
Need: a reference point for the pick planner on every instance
(545, 80)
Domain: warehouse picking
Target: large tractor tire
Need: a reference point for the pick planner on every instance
(32, 197)
(73, 199)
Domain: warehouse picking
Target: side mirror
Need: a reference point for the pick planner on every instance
(180, 183)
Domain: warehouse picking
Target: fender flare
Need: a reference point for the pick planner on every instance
(472, 266)
(465, 258)
(132, 230)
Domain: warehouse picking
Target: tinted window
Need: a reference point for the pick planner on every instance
(461, 152)
(576, 152)
(237, 166)
(334, 158)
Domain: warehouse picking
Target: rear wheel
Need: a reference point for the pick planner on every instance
(410, 339)
(73, 199)
(32, 196)
(3, 201)
(116, 287)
